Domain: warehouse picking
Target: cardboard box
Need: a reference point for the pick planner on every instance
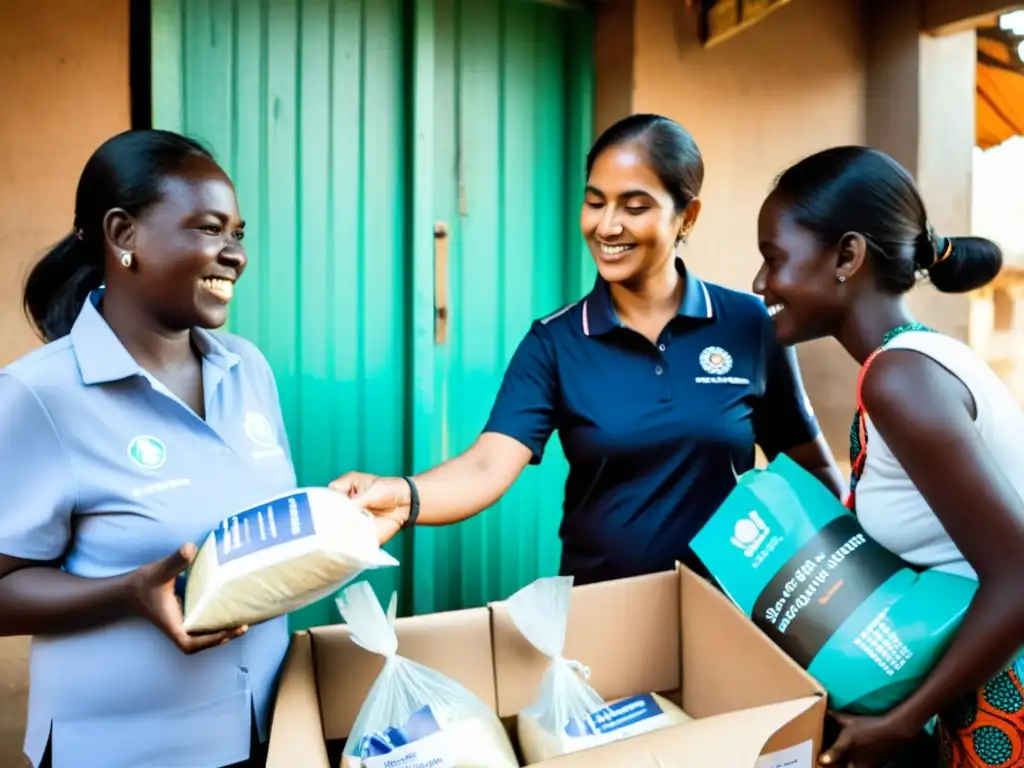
(670, 633)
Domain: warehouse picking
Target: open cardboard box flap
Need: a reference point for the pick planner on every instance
(731, 740)
(296, 736)
(670, 633)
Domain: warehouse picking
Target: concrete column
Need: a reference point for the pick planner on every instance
(921, 111)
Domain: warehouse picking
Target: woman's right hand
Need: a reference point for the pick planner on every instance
(388, 499)
(153, 598)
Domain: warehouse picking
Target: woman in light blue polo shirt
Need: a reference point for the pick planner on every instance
(128, 436)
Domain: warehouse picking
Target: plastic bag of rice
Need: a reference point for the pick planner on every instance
(568, 715)
(862, 622)
(414, 717)
(277, 557)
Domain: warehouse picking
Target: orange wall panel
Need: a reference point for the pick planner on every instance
(64, 79)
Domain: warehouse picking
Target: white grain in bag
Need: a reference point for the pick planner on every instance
(279, 556)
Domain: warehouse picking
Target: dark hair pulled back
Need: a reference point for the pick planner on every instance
(670, 149)
(862, 190)
(127, 172)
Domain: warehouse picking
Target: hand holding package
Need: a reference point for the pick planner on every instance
(279, 556)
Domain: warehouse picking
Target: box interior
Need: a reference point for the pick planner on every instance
(670, 633)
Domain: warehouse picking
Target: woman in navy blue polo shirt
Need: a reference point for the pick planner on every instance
(659, 383)
(130, 434)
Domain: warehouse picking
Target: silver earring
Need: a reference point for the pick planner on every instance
(126, 259)
(842, 278)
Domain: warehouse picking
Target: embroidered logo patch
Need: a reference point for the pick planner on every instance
(147, 452)
(716, 361)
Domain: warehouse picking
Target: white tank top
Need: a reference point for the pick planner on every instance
(891, 509)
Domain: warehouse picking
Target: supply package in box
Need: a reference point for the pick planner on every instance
(671, 634)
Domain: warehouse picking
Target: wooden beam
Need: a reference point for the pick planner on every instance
(946, 17)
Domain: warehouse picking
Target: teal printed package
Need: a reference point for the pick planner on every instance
(862, 622)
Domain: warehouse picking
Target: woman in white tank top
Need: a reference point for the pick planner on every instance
(937, 444)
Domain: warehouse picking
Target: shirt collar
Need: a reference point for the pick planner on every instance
(102, 357)
(599, 315)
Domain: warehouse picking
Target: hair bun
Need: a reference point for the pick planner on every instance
(965, 264)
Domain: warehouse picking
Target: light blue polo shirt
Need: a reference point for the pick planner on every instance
(102, 465)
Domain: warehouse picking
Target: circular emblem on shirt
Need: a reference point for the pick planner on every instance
(147, 452)
(716, 360)
(260, 430)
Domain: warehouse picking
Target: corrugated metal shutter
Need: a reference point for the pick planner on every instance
(512, 120)
(304, 105)
(340, 122)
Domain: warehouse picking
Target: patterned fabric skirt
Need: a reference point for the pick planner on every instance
(985, 729)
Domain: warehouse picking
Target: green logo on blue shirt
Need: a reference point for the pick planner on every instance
(147, 452)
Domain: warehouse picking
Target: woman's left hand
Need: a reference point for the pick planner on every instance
(866, 742)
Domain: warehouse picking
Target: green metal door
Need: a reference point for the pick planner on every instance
(511, 124)
(350, 127)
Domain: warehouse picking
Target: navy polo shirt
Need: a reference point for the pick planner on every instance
(655, 434)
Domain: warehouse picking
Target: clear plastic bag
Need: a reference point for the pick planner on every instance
(568, 715)
(540, 611)
(414, 716)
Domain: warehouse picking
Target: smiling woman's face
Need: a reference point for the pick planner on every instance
(797, 278)
(628, 217)
(189, 248)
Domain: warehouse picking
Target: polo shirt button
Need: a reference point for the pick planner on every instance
(661, 347)
(659, 370)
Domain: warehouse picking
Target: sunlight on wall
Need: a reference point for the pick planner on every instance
(997, 310)
(998, 197)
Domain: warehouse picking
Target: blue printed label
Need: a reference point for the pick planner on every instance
(420, 724)
(615, 716)
(268, 525)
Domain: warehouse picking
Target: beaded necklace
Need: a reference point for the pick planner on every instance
(858, 429)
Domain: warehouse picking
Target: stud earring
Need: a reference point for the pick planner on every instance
(842, 278)
(126, 259)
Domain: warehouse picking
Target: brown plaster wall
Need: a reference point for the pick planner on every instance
(815, 73)
(789, 86)
(64, 77)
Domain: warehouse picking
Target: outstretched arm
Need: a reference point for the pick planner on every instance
(522, 420)
(449, 493)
